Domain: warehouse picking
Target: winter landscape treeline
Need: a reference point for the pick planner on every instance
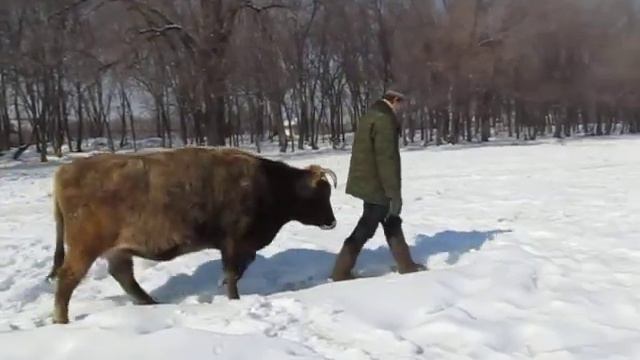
(300, 72)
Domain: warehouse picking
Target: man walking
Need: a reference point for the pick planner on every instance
(374, 177)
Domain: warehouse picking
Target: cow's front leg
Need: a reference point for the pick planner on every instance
(234, 266)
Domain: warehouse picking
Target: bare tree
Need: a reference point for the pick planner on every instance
(223, 72)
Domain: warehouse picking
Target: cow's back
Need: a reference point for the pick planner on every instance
(101, 179)
(153, 202)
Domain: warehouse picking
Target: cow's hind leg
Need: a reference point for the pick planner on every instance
(74, 268)
(121, 268)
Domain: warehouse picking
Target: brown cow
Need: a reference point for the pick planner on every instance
(161, 205)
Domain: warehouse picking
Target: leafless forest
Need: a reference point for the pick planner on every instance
(301, 72)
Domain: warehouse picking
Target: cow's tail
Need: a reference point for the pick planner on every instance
(58, 257)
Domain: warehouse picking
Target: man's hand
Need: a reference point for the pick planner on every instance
(395, 207)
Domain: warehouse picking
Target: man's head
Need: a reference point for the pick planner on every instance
(395, 99)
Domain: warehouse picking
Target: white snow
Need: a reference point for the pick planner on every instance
(534, 253)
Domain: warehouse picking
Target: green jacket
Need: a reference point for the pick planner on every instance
(374, 171)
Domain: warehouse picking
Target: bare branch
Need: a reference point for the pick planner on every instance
(146, 11)
(252, 6)
(159, 31)
(489, 42)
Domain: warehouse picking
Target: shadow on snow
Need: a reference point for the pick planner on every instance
(297, 269)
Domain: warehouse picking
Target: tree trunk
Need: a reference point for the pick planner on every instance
(104, 113)
(59, 103)
(18, 117)
(519, 120)
(276, 111)
(199, 123)
(80, 117)
(131, 124)
(485, 116)
(558, 122)
(341, 117)
(423, 118)
(123, 117)
(288, 112)
(468, 123)
(166, 122)
(220, 121)
(588, 117)
(610, 121)
(303, 119)
(599, 121)
(110, 142)
(65, 121)
(440, 128)
(570, 119)
(184, 136)
(509, 110)
(5, 125)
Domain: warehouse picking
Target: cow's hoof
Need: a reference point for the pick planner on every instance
(60, 316)
(343, 277)
(60, 320)
(413, 268)
(147, 302)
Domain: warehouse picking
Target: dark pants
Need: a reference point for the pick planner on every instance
(372, 216)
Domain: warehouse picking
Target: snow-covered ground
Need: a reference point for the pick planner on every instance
(534, 253)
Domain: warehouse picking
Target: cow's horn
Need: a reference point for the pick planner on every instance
(333, 176)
